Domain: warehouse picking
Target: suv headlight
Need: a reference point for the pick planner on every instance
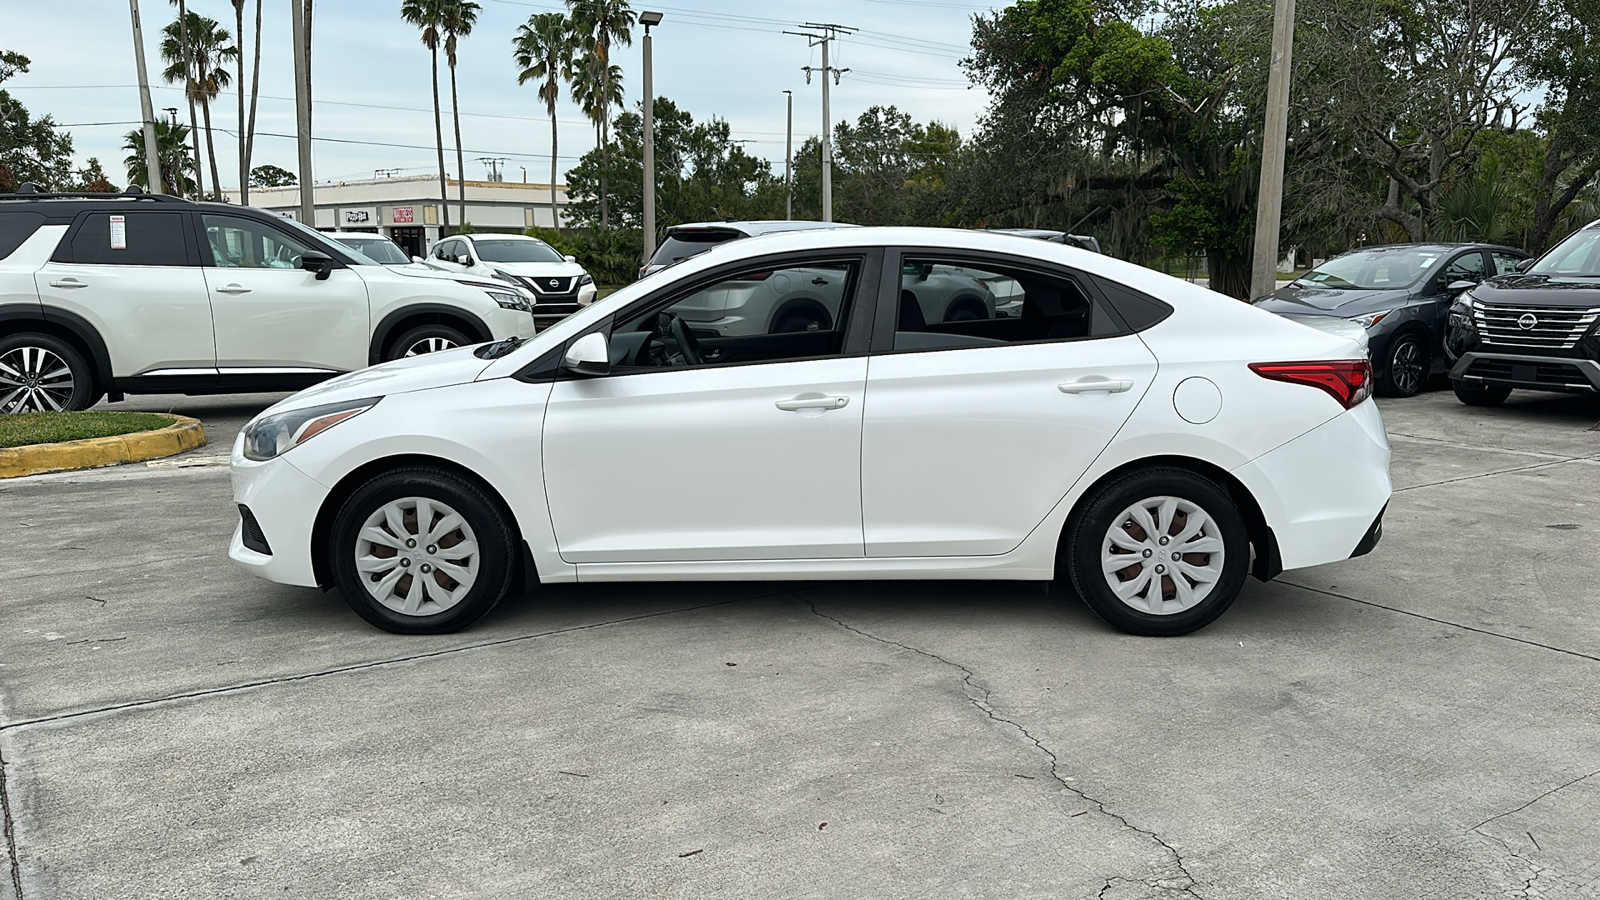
(506, 297)
(1371, 319)
(272, 436)
(584, 279)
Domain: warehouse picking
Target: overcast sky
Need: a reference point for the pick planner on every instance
(727, 58)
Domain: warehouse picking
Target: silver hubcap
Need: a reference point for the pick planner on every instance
(417, 556)
(1405, 367)
(33, 379)
(1162, 556)
(431, 345)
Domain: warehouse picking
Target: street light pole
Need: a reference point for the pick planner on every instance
(648, 19)
(1269, 199)
(788, 161)
(302, 110)
(152, 155)
(825, 38)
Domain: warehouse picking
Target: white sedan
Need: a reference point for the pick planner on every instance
(1147, 439)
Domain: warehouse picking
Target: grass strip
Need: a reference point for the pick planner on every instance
(25, 429)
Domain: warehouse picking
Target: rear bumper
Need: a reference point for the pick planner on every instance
(1531, 372)
(1323, 493)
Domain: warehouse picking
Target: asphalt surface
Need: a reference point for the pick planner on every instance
(1421, 722)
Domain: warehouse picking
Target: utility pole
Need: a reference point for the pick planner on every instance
(1269, 200)
(152, 156)
(648, 19)
(829, 32)
(788, 161)
(302, 110)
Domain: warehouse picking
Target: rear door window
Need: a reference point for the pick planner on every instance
(685, 243)
(16, 228)
(129, 239)
(949, 303)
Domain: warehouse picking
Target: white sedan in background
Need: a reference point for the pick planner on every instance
(1147, 439)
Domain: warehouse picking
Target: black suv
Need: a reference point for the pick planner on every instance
(1534, 329)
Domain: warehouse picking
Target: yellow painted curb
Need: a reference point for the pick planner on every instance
(183, 434)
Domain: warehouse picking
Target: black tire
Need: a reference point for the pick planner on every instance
(29, 381)
(1405, 368)
(1088, 534)
(965, 310)
(491, 527)
(1473, 393)
(799, 320)
(422, 334)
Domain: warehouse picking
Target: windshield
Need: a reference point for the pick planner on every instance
(381, 250)
(525, 251)
(1373, 269)
(1577, 256)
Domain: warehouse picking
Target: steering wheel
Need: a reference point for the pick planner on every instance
(687, 345)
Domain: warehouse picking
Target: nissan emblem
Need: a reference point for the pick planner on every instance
(1528, 321)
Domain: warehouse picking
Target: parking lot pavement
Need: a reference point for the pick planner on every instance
(222, 415)
(1424, 721)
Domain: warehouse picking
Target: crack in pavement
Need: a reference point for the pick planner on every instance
(1483, 448)
(1527, 468)
(1555, 790)
(1427, 618)
(10, 830)
(371, 664)
(1537, 870)
(979, 697)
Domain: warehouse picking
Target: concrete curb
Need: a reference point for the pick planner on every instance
(183, 434)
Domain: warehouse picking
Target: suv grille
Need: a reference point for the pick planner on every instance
(1529, 326)
(558, 284)
(1551, 374)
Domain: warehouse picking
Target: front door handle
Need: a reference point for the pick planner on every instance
(233, 289)
(1094, 384)
(67, 283)
(819, 281)
(813, 403)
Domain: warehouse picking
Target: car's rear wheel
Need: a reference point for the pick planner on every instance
(1406, 368)
(1158, 552)
(427, 339)
(422, 551)
(42, 373)
(800, 320)
(1474, 394)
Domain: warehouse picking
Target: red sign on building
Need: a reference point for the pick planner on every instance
(402, 215)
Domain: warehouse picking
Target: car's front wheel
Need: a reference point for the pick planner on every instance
(1158, 552)
(42, 373)
(1474, 394)
(422, 551)
(427, 339)
(1406, 369)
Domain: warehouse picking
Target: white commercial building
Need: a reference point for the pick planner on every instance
(407, 209)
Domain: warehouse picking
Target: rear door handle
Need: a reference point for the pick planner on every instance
(819, 281)
(813, 403)
(1093, 384)
(233, 289)
(67, 283)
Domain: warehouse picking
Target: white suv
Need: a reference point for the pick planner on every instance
(561, 286)
(106, 294)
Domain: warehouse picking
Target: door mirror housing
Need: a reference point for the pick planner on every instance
(571, 259)
(1524, 264)
(463, 260)
(588, 355)
(318, 262)
(1456, 287)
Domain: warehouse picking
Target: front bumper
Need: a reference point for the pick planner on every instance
(1531, 372)
(284, 502)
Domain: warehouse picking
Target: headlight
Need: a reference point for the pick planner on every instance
(272, 436)
(1371, 319)
(507, 298)
(584, 279)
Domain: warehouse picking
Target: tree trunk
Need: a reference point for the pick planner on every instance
(255, 92)
(194, 126)
(238, 92)
(461, 164)
(605, 136)
(211, 148)
(438, 139)
(1229, 274)
(194, 135)
(555, 211)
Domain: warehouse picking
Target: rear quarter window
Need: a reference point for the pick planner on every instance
(16, 228)
(682, 245)
(143, 239)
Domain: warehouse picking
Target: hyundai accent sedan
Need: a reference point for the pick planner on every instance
(1144, 438)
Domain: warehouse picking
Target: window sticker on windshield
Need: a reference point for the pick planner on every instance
(119, 233)
(1427, 258)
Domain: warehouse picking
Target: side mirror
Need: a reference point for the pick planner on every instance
(463, 260)
(418, 259)
(572, 259)
(318, 262)
(1524, 265)
(1456, 287)
(588, 355)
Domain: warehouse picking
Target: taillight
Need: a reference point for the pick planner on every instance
(1348, 381)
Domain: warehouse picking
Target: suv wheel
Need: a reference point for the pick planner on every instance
(422, 551)
(1159, 552)
(42, 373)
(427, 339)
(1406, 369)
(1474, 394)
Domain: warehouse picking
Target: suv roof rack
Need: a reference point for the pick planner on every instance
(30, 191)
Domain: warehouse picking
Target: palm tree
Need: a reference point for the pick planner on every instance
(210, 48)
(172, 152)
(246, 134)
(543, 52)
(459, 17)
(589, 85)
(429, 16)
(600, 24)
(183, 40)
